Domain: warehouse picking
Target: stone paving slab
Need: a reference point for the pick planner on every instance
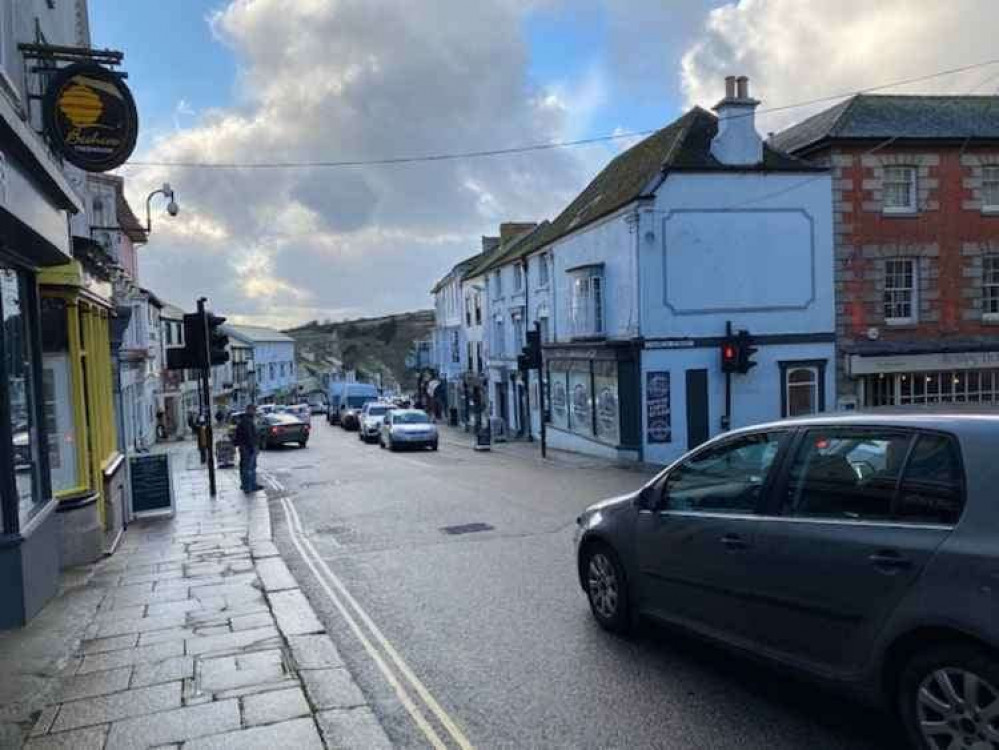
(199, 637)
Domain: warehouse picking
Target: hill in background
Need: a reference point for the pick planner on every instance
(368, 345)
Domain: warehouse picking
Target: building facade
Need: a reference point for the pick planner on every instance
(274, 378)
(916, 209)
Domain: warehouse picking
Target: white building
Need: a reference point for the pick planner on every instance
(474, 397)
(141, 362)
(449, 348)
(274, 375)
(699, 227)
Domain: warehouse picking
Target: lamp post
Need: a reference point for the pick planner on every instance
(172, 208)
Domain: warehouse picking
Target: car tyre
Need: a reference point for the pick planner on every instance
(303, 444)
(928, 685)
(391, 446)
(606, 587)
(433, 446)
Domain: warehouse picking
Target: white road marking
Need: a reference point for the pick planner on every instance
(323, 574)
(449, 724)
(400, 691)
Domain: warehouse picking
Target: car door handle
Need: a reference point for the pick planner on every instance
(734, 542)
(889, 561)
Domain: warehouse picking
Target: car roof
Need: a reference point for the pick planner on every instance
(410, 411)
(961, 419)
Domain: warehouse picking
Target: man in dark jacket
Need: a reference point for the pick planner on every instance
(245, 438)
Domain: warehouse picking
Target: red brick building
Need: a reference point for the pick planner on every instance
(916, 217)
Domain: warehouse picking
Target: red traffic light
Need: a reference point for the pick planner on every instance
(728, 353)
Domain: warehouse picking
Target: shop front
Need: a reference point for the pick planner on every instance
(593, 399)
(34, 201)
(965, 372)
(88, 470)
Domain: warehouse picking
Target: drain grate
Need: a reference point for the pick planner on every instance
(467, 528)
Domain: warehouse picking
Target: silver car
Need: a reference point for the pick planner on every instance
(859, 549)
(369, 421)
(408, 428)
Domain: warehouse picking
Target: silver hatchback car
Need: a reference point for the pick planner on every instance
(861, 549)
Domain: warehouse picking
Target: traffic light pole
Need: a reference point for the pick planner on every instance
(541, 398)
(207, 398)
(727, 419)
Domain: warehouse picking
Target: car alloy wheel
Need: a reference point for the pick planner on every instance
(956, 707)
(603, 586)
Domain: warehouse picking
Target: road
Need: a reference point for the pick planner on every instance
(492, 624)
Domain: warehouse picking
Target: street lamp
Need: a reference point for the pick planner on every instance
(172, 208)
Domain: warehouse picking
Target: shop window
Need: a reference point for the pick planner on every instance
(580, 399)
(990, 286)
(990, 189)
(899, 188)
(586, 304)
(605, 394)
(558, 395)
(900, 291)
(57, 396)
(17, 372)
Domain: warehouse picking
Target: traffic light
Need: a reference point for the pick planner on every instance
(194, 339)
(217, 340)
(730, 354)
(737, 353)
(532, 350)
(746, 352)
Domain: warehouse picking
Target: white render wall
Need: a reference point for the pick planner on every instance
(610, 241)
(267, 352)
(756, 249)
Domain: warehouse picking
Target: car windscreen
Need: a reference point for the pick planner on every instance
(411, 417)
(358, 401)
(377, 411)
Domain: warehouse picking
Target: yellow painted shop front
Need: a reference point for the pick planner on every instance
(87, 470)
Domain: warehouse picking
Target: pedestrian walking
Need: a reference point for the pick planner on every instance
(201, 428)
(245, 439)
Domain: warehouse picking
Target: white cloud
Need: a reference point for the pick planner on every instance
(795, 51)
(354, 79)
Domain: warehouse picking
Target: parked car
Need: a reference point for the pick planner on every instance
(863, 549)
(408, 428)
(302, 411)
(317, 407)
(280, 428)
(370, 420)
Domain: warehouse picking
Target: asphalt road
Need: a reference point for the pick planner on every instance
(494, 624)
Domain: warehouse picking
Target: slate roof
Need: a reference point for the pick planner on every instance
(882, 116)
(171, 312)
(521, 247)
(500, 254)
(458, 270)
(683, 145)
(257, 334)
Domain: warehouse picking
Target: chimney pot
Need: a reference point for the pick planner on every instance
(729, 87)
(742, 87)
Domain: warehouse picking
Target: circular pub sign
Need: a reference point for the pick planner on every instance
(90, 117)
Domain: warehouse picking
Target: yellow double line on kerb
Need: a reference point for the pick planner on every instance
(397, 673)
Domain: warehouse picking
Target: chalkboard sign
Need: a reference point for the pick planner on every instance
(151, 488)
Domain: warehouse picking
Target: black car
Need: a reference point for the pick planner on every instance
(279, 428)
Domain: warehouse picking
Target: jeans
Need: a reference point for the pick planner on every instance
(248, 469)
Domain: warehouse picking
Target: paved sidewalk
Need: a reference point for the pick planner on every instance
(195, 635)
(531, 451)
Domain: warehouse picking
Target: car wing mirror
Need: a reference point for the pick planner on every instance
(648, 498)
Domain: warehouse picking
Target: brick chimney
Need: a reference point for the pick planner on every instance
(511, 230)
(489, 244)
(737, 142)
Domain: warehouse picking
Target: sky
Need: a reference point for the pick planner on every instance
(249, 81)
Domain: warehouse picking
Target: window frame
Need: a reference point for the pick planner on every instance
(913, 206)
(987, 207)
(913, 316)
(544, 272)
(518, 278)
(778, 489)
(586, 311)
(990, 287)
(787, 366)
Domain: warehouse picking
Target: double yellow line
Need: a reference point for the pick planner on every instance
(388, 660)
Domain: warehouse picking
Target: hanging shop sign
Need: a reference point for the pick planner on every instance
(90, 117)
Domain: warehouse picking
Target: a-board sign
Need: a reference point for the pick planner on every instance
(152, 491)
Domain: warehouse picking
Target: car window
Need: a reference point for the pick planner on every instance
(377, 411)
(846, 473)
(412, 417)
(725, 478)
(931, 489)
